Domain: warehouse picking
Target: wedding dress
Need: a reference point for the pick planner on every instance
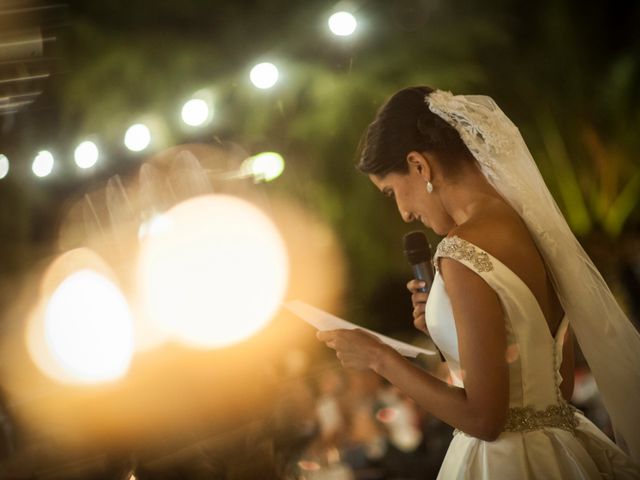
(544, 437)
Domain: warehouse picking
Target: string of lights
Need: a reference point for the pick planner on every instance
(197, 112)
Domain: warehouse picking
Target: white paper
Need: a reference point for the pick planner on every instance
(322, 320)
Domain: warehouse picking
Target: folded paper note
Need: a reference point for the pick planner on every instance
(322, 320)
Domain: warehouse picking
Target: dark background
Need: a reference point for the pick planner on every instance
(567, 72)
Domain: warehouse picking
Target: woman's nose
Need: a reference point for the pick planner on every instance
(408, 217)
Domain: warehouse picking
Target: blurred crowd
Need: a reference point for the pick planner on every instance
(353, 425)
(327, 423)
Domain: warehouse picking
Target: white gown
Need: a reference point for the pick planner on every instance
(545, 438)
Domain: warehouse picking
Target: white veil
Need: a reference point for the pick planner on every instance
(609, 341)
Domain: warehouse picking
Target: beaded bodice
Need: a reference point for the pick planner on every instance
(533, 355)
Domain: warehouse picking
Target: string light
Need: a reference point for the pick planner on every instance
(342, 24)
(264, 75)
(264, 166)
(195, 112)
(4, 166)
(86, 154)
(43, 163)
(137, 137)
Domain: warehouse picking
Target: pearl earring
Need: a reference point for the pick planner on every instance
(429, 187)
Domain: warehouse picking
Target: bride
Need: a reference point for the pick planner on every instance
(512, 287)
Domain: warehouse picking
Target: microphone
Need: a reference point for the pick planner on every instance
(418, 253)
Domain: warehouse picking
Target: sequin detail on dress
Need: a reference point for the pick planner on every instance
(526, 419)
(459, 249)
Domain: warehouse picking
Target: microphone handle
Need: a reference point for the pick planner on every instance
(421, 271)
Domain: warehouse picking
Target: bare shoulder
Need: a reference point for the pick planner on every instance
(500, 231)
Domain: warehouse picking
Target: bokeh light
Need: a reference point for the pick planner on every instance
(215, 273)
(89, 329)
(80, 330)
(137, 137)
(4, 166)
(264, 166)
(196, 112)
(86, 154)
(264, 75)
(318, 269)
(43, 163)
(342, 24)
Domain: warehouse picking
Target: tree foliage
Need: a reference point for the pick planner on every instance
(567, 73)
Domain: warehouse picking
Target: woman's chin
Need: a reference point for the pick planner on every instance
(438, 231)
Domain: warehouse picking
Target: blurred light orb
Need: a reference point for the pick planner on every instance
(86, 154)
(264, 75)
(137, 137)
(4, 166)
(43, 163)
(342, 24)
(89, 329)
(215, 274)
(195, 112)
(265, 166)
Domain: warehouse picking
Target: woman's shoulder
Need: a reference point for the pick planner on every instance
(499, 231)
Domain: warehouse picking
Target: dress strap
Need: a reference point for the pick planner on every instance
(464, 251)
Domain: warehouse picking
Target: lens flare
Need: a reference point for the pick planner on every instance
(216, 272)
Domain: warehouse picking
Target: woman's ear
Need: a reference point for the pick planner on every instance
(420, 163)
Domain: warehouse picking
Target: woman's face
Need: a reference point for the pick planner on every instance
(413, 200)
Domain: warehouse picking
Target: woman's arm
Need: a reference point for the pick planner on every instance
(479, 408)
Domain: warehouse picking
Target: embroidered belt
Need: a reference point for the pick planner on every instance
(528, 419)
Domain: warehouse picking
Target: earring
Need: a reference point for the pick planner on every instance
(429, 187)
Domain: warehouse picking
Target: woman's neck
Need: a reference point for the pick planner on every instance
(465, 198)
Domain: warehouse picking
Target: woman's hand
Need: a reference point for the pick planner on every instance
(419, 301)
(355, 348)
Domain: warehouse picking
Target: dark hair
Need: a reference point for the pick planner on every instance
(404, 124)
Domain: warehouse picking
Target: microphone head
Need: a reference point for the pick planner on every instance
(416, 247)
